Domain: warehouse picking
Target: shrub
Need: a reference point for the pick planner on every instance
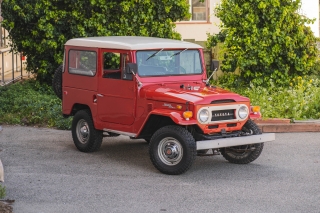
(267, 40)
(299, 100)
(40, 28)
(31, 103)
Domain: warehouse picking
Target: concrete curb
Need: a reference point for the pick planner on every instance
(294, 127)
(284, 125)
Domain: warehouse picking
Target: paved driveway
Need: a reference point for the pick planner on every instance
(45, 173)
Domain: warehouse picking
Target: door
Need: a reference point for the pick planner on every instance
(116, 97)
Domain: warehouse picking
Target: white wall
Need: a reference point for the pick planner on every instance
(199, 30)
(310, 8)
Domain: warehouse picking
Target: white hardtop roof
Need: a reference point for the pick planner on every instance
(131, 43)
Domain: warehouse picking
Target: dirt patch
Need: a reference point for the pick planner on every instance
(6, 206)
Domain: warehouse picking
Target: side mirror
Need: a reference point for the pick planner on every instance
(214, 65)
(131, 67)
(130, 70)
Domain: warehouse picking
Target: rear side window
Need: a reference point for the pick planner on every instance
(82, 62)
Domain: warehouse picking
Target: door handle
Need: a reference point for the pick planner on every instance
(99, 95)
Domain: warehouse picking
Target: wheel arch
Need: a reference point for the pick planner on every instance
(76, 107)
(153, 123)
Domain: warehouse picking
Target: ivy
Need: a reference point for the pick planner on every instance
(265, 39)
(40, 28)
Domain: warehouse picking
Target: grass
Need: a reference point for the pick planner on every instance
(300, 100)
(2, 191)
(31, 104)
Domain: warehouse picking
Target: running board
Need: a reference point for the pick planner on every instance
(235, 141)
(120, 132)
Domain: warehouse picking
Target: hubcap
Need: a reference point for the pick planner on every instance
(83, 131)
(170, 151)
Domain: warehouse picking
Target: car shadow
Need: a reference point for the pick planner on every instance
(134, 154)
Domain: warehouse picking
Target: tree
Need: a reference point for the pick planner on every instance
(40, 28)
(266, 39)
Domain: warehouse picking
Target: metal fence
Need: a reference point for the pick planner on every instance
(11, 63)
(11, 66)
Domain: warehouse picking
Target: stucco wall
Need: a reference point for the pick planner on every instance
(198, 30)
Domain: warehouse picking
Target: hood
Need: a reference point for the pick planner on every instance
(197, 94)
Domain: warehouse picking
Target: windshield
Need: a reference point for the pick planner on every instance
(168, 62)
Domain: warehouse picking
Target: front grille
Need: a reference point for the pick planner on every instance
(221, 115)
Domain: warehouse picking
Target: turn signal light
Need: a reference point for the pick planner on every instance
(179, 107)
(187, 115)
(255, 109)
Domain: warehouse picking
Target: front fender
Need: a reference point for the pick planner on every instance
(176, 116)
(254, 116)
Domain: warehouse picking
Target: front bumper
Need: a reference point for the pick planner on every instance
(235, 141)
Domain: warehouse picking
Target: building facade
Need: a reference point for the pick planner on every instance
(204, 21)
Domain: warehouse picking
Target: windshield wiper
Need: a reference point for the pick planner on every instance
(179, 52)
(154, 54)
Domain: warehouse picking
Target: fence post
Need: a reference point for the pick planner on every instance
(21, 65)
(2, 69)
(12, 66)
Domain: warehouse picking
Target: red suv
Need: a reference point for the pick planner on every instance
(155, 89)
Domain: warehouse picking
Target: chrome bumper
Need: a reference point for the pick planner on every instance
(235, 141)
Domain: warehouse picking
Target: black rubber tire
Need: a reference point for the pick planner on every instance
(172, 135)
(253, 151)
(147, 140)
(57, 82)
(85, 137)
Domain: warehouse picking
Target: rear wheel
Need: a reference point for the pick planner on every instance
(172, 150)
(247, 153)
(85, 137)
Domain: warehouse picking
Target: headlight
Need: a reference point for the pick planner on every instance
(204, 115)
(243, 112)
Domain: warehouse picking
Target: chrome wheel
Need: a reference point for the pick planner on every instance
(170, 151)
(83, 131)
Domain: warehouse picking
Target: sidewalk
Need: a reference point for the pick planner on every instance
(284, 125)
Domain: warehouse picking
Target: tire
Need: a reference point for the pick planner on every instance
(181, 145)
(85, 136)
(147, 140)
(247, 153)
(57, 82)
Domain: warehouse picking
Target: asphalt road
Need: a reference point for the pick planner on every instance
(45, 173)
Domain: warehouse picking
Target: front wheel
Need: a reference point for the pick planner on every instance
(246, 153)
(172, 150)
(85, 137)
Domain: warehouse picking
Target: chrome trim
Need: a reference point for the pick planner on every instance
(121, 133)
(235, 141)
(211, 108)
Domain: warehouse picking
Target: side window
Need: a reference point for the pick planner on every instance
(82, 62)
(112, 65)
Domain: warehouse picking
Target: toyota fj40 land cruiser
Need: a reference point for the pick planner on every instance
(155, 89)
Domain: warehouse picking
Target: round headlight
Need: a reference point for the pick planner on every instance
(243, 112)
(204, 115)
